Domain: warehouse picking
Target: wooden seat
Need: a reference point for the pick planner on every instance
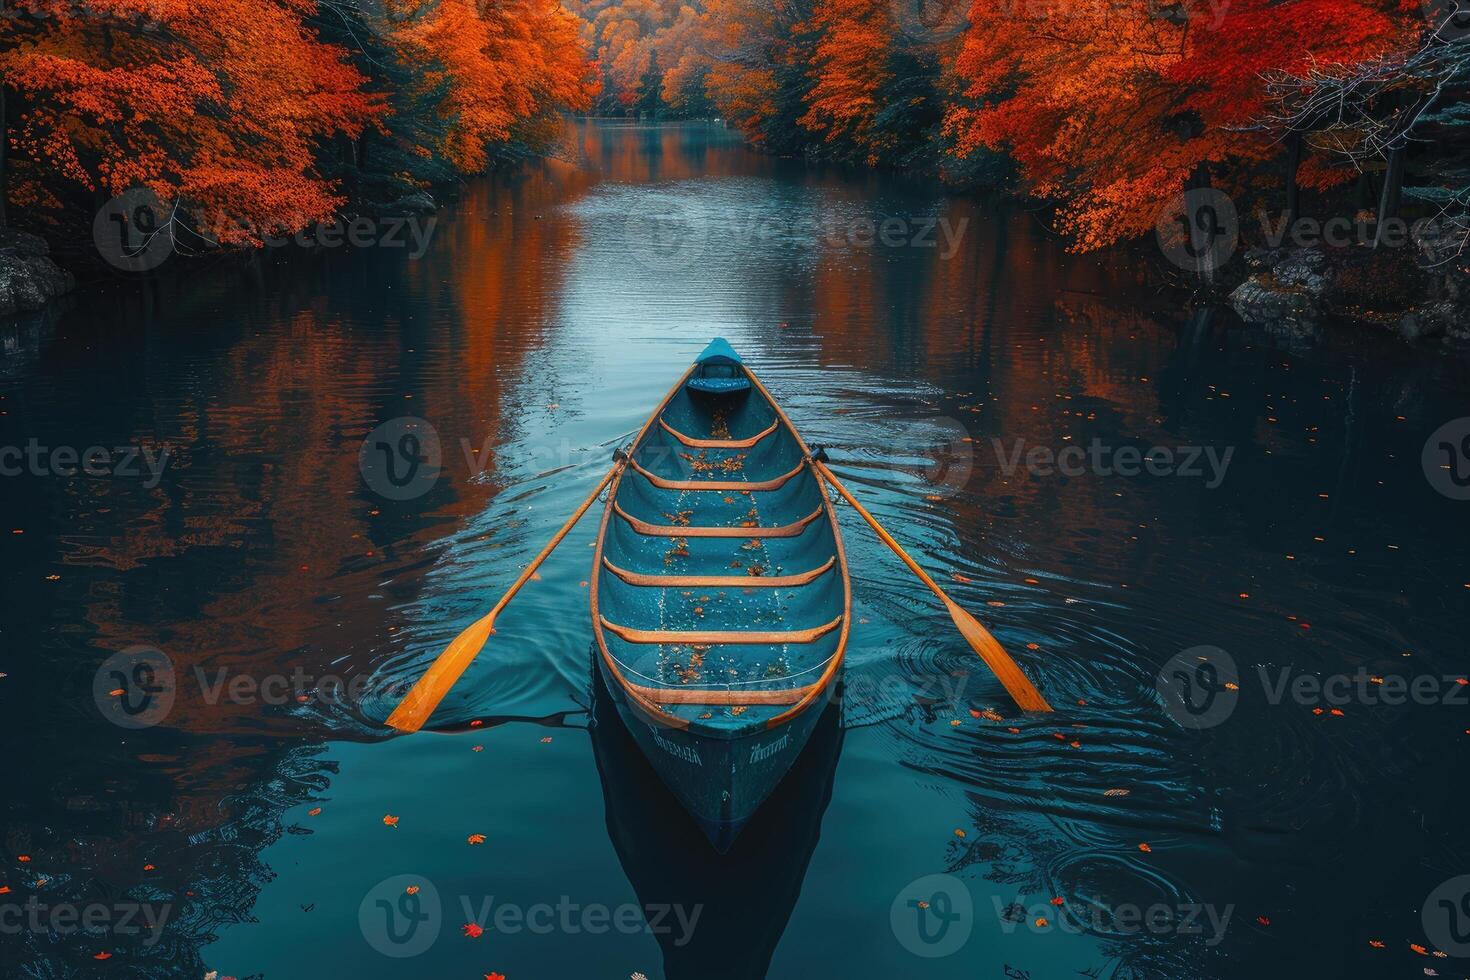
(677, 531)
(722, 696)
(725, 486)
(720, 581)
(712, 637)
(718, 443)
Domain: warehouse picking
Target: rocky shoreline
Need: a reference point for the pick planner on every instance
(1419, 293)
(29, 278)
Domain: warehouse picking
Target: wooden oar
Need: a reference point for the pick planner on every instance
(444, 672)
(988, 647)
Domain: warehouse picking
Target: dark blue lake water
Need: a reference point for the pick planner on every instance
(1217, 549)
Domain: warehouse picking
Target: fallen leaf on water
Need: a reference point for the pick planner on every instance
(390, 820)
(1014, 731)
(956, 722)
(545, 739)
(315, 811)
(23, 858)
(4, 889)
(1059, 900)
(1419, 949)
(1041, 923)
(1376, 943)
(961, 578)
(1231, 686)
(1145, 848)
(1337, 712)
(1116, 792)
(412, 889)
(149, 867)
(476, 839)
(739, 709)
(116, 693)
(495, 976)
(1033, 646)
(958, 832)
(477, 748)
(1263, 920)
(104, 955)
(923, 905)
(476, 723)
(473, 930)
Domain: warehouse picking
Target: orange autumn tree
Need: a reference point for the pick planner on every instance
(750, 47)
(219, 107)
(493, 68)
(850, 70)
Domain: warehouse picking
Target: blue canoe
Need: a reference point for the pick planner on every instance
(721, 602)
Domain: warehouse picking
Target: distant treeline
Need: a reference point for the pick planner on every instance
(1108, 108)
(252, 116)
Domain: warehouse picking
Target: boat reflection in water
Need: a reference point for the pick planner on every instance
(745, 896)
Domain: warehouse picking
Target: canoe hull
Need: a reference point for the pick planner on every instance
(720, 597)
(721, 782)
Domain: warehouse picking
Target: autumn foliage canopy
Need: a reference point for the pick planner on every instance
(232, 111)
(252, 115)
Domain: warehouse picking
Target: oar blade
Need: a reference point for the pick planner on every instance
(1016, 683)
(420, 702)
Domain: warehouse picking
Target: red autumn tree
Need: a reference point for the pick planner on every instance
(217, 106)
(1113, 109)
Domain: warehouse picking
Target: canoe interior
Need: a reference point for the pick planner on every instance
(730, 667)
